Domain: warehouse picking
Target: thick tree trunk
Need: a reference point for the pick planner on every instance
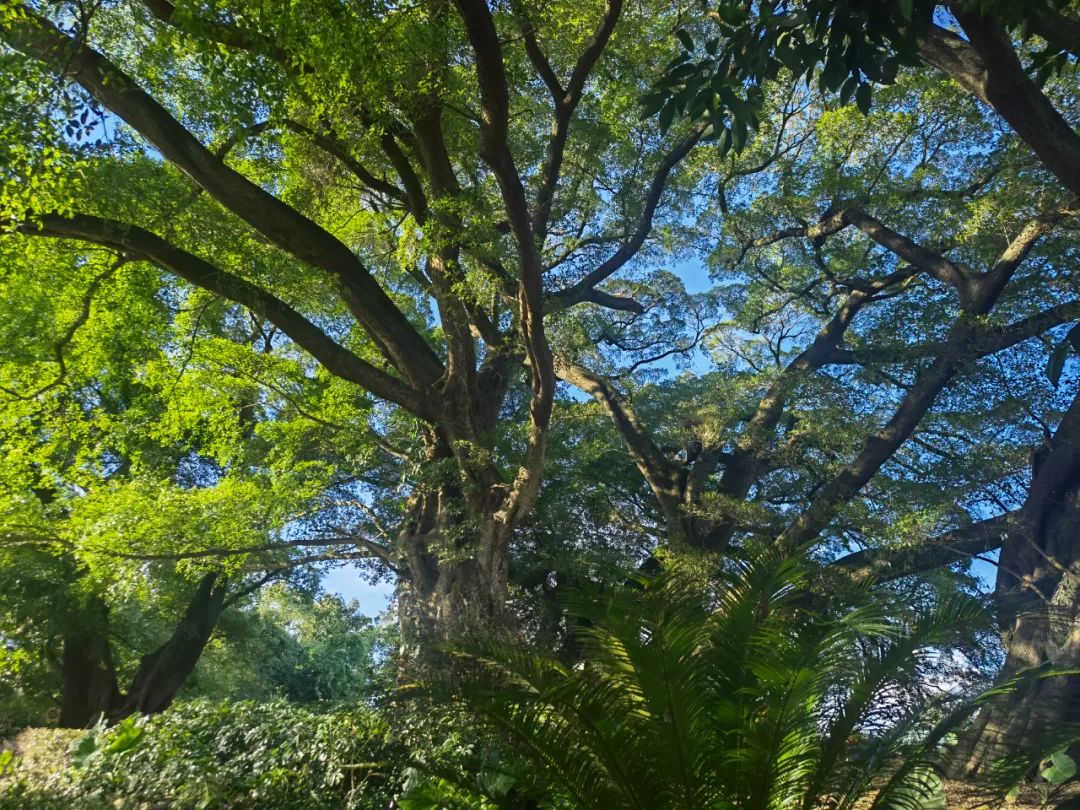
(162, 672)
(454, 575)
(1038, 597)
(1018, 721)
(88, 676)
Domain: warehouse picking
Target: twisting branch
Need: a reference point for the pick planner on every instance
(495, 116)
(566, 102)
(583, 289)
(959, 349)
(658, 470)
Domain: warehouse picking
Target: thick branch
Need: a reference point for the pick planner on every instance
(986, 65)
(884, 564)
(281, 224)
(139, 243)
(376, 549)
(495, 115)
(655, 467)
(926, 260)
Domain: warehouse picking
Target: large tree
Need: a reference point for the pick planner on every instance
(408, 222)
(402, 193)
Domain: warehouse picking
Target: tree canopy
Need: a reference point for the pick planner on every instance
(491, 300)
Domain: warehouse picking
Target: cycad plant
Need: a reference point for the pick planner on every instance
(738, 691)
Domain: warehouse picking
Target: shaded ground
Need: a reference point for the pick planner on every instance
(969, 797)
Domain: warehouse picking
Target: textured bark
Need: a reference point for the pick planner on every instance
(454, 574)
(1039, 629)
(88, 676)
(1038, 600)
(986, 64)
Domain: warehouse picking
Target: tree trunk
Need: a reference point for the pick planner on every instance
(162, 672)
(1038, 598)
(87, 672)
(453, 577)
(1018, 721)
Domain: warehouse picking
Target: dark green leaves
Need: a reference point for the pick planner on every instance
(863, 98)
(851, 46)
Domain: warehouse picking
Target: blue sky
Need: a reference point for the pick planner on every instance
(352, 583)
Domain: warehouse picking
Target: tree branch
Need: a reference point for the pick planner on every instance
(580, 291)
(884, 564)
(566, 103)
(139, 243)
(284, 226)
(986, 65)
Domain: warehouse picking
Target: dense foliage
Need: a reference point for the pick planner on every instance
(200, 754)
(696, 691)
(498, 302)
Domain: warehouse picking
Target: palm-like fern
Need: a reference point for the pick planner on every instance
(731, 696)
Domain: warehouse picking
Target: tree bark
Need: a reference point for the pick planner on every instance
(88, 675)
(454, 575)
(162, 672)
(89, 679)
(1038, 599)
(1036, 634)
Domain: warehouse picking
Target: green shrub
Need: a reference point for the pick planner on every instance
(204, 755)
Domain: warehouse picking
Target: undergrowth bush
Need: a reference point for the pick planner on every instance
(203, 755)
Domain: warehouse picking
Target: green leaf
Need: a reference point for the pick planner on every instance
(651, 104)
(83, 750)
(126, 736)
(667, 115)
(723, 140)
(848, 89)
(1056, 363)
(832, 75)
(907, 7)
(7, 759)
(1062, 769)
(685, 38)
(921, 790)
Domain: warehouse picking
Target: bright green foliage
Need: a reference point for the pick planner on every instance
(1062, 768)
(288, 644)
(202, 755)
(733, 694)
